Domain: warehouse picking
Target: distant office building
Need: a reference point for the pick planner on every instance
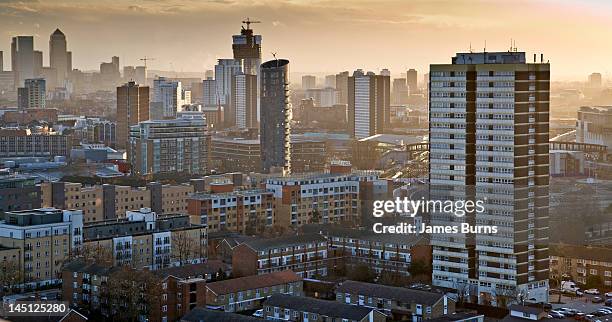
(412, 80)
(22, 58)
(385, 72)
(323, 96)
(132, 107)
(33, 94)
(224, 71)
(140, 75)
(275, 127)
(110, 74)
(309, 81)
(170, 146)
(7, 83)
(399, 92)
(209, 92)
(594, 80)
(45, 239)
(168, 96)
(342, 87)
(58, 56)
(330, 81)
(209, 73)
(369, 106)
(243, 102)
(129, 73)
(594, 125)
(37, 64)
(488, 116)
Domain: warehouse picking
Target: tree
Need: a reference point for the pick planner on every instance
(94, 253)
(362, 273)
(10, 275)
(594, 281)
(184, 247)
(132, 294)
(560, 271)
(509, 296)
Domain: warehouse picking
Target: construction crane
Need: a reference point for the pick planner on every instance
(145, 59)
(248, 22)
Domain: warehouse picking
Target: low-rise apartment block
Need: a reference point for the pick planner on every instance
(243, 211)
(181, 289)
(33, 143)
(303, 309)
(399, 303)
(583, 263)
(248, 293)
(380, 252)
(43, 239)
(18, 192)
(144, 239)
(107, 201)
(315, 198)
(306, 255)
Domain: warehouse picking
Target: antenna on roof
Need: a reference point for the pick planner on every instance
(485, 47)
(471, 47)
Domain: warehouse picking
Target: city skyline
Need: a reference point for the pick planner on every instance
(391, 34)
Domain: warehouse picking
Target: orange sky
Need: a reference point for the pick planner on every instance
(319, 36)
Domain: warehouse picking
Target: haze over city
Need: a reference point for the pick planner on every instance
(319, 36)
(306, 161)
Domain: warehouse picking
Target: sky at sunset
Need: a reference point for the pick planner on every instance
(319, 36)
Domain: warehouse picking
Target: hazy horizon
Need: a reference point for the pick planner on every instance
(318, 36)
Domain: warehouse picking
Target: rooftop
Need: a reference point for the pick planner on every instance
(201, 314)
(322, 307)
(252, 282)
(600, 254)
(401, 294)
(293, 240)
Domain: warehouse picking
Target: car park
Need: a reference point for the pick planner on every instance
(597, 299)
(556, 314)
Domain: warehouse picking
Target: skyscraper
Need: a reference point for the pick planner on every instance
(400, 91)
(244, 101)
(209, 93)
(342, 87)
(275, 127)
(140, 75)
(411, 79)
(594, 80)
(309, 81)
(369, 106)
(37, 65)
(247, 47)
(32, 95)
(330, 81)
(58, 56)
(168, 96)
(22, 58)
(224, 71)
(489, 142)
(132, 107)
